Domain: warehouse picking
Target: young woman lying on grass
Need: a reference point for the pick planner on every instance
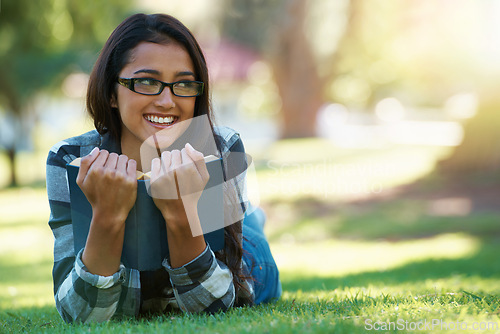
(151, 74)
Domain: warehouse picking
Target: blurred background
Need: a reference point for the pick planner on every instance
(374, 128)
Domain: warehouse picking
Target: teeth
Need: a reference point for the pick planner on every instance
(160, 120)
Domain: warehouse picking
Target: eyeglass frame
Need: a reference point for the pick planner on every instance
(130, 83)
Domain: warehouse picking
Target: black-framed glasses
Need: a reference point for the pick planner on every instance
(147, 86)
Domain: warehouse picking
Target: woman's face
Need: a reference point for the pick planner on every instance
(142, 115)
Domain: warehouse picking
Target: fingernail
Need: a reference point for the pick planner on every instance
(188, 145)
(94, 150)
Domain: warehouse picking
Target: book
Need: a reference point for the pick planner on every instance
(145, 243)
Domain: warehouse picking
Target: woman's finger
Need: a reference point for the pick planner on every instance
(162, 181)
(166, 161)
(98, 163)
(132, 168)
(156, 165)
(121, 165)
(199, 162)
(85, 164)
(112, 161)
(101, 159)
(176, 159)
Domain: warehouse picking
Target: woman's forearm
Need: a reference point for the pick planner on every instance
(183, 245)
(102, 253)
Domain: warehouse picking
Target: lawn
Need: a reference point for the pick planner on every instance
(379, 256)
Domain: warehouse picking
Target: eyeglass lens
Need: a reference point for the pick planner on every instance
(151, 86)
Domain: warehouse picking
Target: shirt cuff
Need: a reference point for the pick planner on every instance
(100, 282)
(193, 271)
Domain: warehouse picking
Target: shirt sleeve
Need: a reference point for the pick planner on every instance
(236, 201)
(79, 295)
(205, 284)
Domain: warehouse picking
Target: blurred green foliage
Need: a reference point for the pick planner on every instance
(42, 41)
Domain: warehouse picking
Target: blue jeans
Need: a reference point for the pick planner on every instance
(258, 258)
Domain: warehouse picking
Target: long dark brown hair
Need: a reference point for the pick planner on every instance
(160, 29)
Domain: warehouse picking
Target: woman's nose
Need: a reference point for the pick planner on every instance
(165, 99)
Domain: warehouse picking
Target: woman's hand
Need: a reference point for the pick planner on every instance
(109, 182)
(110, 185)
(177, 181)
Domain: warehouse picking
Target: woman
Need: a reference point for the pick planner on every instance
(151, 75)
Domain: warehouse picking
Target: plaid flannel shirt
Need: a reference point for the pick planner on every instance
(203, 284)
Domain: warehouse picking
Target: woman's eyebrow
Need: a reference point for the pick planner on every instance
(148, 71)
(184, 73)
(156, 72)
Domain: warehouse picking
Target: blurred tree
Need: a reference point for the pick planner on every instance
(411, 51)
(407, 50)
(479, 151)
(42, 41)
(278, 30)
(296, 73)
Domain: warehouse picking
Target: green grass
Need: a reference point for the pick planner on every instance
(344, 266)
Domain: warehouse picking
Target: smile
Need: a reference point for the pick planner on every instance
(168, 120)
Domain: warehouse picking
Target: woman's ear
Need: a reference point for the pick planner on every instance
(113, 102)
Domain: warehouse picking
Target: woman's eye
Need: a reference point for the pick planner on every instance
(146, 82)
(185, 84)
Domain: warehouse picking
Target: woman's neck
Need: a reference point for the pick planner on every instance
(133, 151)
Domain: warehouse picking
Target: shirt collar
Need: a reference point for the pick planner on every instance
(110, 144)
